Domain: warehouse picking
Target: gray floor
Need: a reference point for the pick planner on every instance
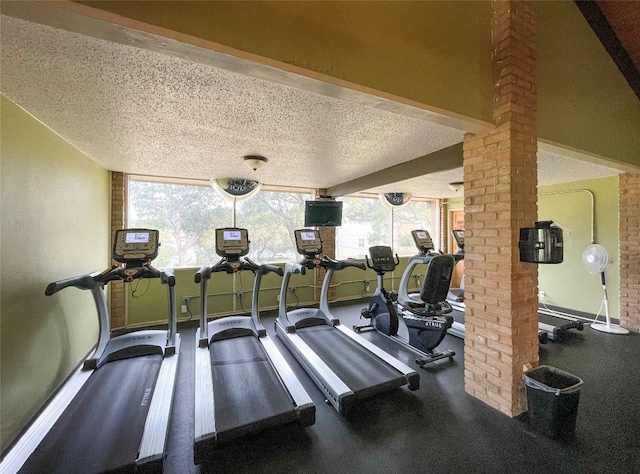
(438, 428)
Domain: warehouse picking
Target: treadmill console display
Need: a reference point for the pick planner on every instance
(422, 240)
(308, 242)
(135, 245)
(231, 241)
(458, 234)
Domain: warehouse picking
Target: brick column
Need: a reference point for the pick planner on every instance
(629, 204)
(500, 175)
(117, 290)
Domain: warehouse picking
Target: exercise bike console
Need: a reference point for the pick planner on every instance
(382, 260)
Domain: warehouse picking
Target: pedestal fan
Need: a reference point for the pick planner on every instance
(596, 259)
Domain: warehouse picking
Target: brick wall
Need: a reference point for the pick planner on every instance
(117, 295)
(629, 203)
(500, 175)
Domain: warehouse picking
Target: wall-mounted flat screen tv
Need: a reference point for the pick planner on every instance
(322, 213)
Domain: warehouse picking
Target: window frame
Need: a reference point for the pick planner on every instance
(312, 193)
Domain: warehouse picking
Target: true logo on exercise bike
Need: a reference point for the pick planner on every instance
(433, 324)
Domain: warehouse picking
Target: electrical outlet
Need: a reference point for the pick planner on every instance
(239, 294)
(367, 285)
(292, 289)
(185, 300)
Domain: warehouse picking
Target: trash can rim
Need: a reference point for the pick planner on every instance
(533, 383)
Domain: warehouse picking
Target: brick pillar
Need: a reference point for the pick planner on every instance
(500, 175)
(629, 204)
(117, 292)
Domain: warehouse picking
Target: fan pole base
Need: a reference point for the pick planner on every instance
(610, 328)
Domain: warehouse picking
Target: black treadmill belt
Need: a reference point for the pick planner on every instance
(248, 394)
(102, 428)
(356, 366)
(458, 316)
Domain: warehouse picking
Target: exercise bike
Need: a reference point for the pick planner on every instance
(426, 319)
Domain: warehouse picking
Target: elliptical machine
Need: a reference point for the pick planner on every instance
(425, 319)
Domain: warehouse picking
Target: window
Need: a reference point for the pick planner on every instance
(271, 217)
(367, 222)
(186, 216)
(417, 214)
(187, 212)
(363, 220)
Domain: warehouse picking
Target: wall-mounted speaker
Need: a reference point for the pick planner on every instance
(541, 244)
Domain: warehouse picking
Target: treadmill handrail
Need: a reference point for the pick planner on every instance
(232, 266)
(290, 268)
(83, 282)
(326, 283)
(204, 273)
(167, 277)
(330, 263)
(255, 300)
(96, 282)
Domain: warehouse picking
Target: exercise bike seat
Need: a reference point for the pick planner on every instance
(437, 280)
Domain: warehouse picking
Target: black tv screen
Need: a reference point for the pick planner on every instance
(322, 213)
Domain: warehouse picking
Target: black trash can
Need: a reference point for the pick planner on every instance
(552, 399)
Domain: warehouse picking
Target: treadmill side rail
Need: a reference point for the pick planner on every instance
(336, 391)
(301, 398)
(204, 403)
(28, 442)
(156, 428)
(457, 330)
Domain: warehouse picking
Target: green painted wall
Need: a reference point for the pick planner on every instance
(436, 53)
(568, 284)
(584, 102)
(55, 214)
(148, 304)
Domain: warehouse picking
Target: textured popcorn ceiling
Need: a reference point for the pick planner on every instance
(144, 112)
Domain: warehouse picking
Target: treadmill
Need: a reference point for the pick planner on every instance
(345, 366)
(243, 384)
(113, 412)
(549, 327)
